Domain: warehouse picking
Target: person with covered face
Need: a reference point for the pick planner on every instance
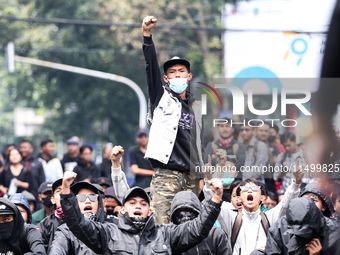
(319, 195)
(91, 207)
(304, 230)
(30, 236)
(248, 228)
(49, 225)
(16, 237)
(186, 207)
(112, 205)
(136, 231)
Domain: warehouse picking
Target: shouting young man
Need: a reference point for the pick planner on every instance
(248, 229)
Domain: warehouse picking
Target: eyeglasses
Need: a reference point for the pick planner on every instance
(92, 197)
(253, 188)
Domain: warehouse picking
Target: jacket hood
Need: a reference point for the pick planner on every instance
(13, 240)
(318, 190)
(305, 222)
(305, 217)
(185, 199)
(86, 185)
(20, 199)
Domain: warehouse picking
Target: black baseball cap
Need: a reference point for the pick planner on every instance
(56, 184)
(103, 181)
(45, 187)
(4, 209)
(136, 192)
(174, 61)
(83, 185)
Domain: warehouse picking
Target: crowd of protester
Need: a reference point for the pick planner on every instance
(37, 197)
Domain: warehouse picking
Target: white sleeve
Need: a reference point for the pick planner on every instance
(208, 194)
(280, 210)
(119, 182)
(227, 214)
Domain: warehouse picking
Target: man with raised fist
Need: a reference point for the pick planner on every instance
(175, 140)
(136, 232)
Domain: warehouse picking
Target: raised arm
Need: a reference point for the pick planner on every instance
(118, 176)
(292, 191)
(189, 234)
(153, 73)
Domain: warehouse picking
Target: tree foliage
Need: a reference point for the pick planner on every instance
(80, 105)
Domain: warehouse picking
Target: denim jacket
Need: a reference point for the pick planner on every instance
(164, 128)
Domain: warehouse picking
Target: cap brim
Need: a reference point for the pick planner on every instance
(136, 192)
(173, 62)
(83, 185)
(56, 184)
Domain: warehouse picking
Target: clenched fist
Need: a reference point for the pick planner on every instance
(116, 154)
(67, 181)
(148, 23)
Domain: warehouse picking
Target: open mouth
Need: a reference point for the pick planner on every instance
(239, 205)
(250, 198)
(137, 213)
(87, 208)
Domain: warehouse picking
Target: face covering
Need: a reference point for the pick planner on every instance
(228, 181)
(47, 201)
(271, 138)
(138, 222)
(90, 216)
(59, 212)
(6, 230)
(111, 212)
(184, 216)
(178, 85)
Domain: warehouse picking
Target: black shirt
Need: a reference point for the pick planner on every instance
(137, 158)
(24, 176)
(184, 155)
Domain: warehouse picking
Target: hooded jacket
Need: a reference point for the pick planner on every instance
(216, 242)
(303, 222)
(317, 189)
(65, 243)
(20, 199)
(124, 238)
(25, 239)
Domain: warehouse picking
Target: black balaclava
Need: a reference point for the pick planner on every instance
(138, 222)
(184, 215)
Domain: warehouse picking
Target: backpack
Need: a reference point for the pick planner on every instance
(236, 146)
(238, 223)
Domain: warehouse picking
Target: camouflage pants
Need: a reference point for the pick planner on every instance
(164, 186)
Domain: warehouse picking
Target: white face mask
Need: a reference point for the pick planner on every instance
(178, 85)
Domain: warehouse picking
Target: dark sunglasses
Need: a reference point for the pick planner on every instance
(253, 188)
(92, 197)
